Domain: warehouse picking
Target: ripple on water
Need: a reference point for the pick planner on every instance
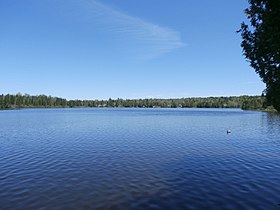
(139, 159)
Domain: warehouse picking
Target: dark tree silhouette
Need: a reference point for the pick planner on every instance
(261, 44)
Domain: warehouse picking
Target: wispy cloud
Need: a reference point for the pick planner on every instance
(155, 39)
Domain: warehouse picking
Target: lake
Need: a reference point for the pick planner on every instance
(139, 159)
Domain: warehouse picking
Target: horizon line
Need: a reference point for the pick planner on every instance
(120, 98)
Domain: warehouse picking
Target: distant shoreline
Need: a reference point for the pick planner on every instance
(271, 110)
(19, 101)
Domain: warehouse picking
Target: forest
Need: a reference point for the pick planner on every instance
(16, 101)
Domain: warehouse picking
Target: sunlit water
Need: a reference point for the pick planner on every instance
(139, 159)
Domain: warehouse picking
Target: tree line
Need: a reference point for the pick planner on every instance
(10, 101)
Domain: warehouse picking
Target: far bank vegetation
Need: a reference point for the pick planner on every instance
(10, 101)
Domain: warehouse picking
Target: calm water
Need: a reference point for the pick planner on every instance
(139, 159)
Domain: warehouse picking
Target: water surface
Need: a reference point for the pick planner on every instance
(139, 159)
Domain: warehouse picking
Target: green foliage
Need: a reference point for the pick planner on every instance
(26, 101)
(253, 103)
(261, 44)
(19, 101)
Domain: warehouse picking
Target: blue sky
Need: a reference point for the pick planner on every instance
(96, 49)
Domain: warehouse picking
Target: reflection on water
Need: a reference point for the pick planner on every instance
(139, 159)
